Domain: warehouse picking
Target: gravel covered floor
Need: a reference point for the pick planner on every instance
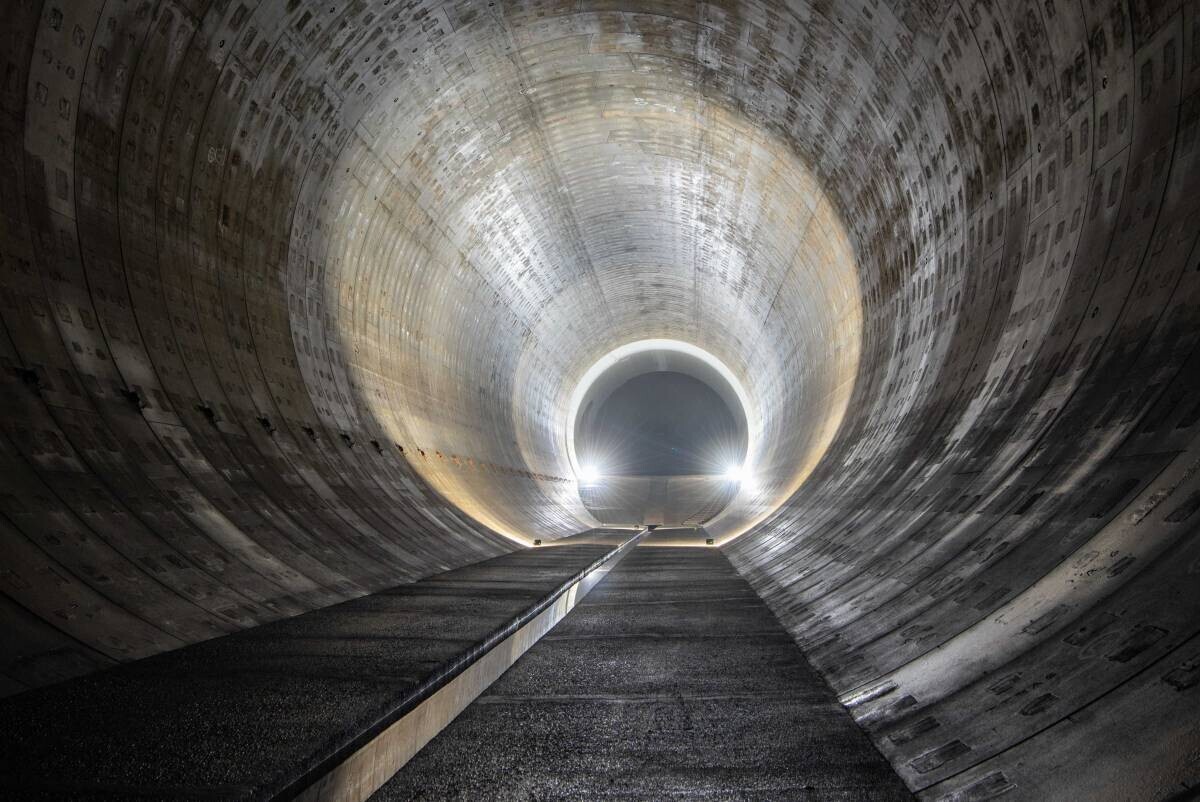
(671, 680)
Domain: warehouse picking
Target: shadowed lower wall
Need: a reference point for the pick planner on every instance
(295, 296)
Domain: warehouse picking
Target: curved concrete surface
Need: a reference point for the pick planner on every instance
(296, 295)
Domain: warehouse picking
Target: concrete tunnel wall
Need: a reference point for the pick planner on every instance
(295, 296)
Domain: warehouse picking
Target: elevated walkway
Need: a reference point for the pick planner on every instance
(670, 679)
(306, 707)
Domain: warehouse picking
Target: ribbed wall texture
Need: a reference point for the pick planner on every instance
(295, 296)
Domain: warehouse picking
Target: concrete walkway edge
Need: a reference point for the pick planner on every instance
(358, 768)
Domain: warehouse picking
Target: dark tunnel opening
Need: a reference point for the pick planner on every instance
(662, 424)
(304, 303)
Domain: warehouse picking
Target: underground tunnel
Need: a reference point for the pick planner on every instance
(351, 349)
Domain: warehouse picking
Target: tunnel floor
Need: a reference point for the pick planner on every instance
(252, 714)
(672, 679)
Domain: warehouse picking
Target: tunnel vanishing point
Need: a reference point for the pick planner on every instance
(350, 347)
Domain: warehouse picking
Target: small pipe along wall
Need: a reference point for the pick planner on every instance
(296, 296)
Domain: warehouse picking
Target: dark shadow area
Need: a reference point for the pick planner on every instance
(662, 424)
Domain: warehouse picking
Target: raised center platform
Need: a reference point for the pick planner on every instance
(271, 712)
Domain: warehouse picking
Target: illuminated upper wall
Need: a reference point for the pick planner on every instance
(296, 297)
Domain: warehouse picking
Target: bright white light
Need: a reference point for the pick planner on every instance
(735, 473)
(589, 474)
(753, 423)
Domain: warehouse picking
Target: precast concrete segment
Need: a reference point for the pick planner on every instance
(267, 713)
(282, 278)
(292, 294)
(166, 477)
(671, 680)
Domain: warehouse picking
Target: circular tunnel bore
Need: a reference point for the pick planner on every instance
(661, 424)
(658, 429)
(656, 451)
(645, 208)
(296, 297)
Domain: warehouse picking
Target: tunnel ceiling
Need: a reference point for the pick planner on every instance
(528, 188)
(296, 296)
